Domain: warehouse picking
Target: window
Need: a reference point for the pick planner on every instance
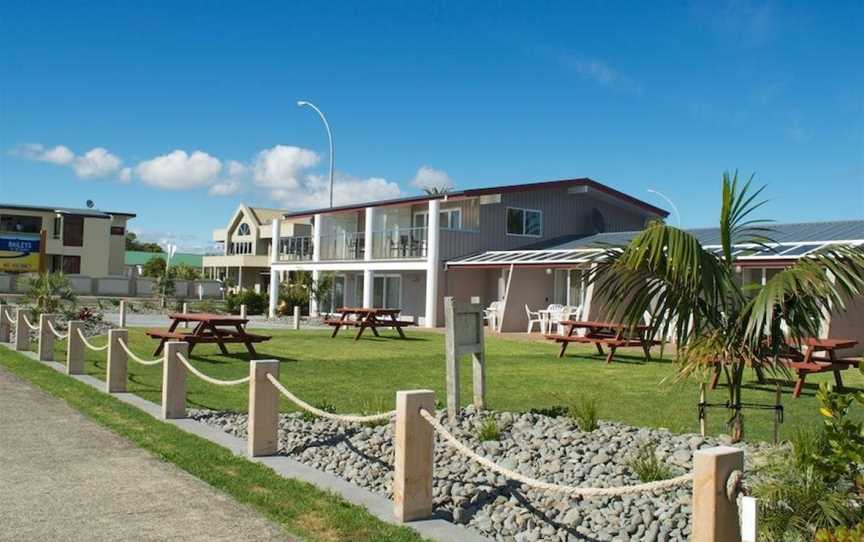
(448, 219)
(58, 226)
(73, 231)
(72, 265)
(244, 229)
(21, 223)
(118, 230)
(524, 222)
(386, 291)
(241, 247)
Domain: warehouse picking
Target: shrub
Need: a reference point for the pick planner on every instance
(586, 413)
(842, 534)
(255, 303)
(184, 271)
(488, 430)
(154, 267)
(49, 291)
(554, 411)
(324, 405)
(647, 466)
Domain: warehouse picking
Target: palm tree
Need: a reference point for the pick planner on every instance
(695, 297)
(435, 190)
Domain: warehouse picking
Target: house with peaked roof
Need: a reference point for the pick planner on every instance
(395, 253)
(245, 244)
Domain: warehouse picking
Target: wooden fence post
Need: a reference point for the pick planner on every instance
(115, 377)
(464, 336)
(715, 516)
(122, 319)
(414, 444)
(22, 331)
(296, 322)
(243, 311)
(75, 349)
(263, 426)
(5, 326)
(46, 338)
(185, 311)
(174, 381)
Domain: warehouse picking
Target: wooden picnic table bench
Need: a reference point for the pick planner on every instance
(807, 362)
(363, 318)
(609, 334)
(217, 329)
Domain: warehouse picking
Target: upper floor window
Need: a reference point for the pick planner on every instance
(244, 229)
(448, 219)
(524, 222)
(58, 226)
(73, 231)
(21, 223)
(242, 247)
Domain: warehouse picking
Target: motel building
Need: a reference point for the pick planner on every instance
(77, 241)
(407, 253)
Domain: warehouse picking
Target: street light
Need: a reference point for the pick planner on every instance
(301, 103)
(669, 201)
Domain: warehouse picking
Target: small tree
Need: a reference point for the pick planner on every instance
(154, 267)
(185, 271)
(48, 292)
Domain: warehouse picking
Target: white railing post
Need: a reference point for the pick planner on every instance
(274, 259)
(263, 426)
(122, 319)
(715, 515)
(174, 381)
(185, 311)
(296, 317)
(22, 331)
(46, 338)
(75, 349)
(5, 326)
(115, 377)
(432, 264)
(414, 443)
(243, 311)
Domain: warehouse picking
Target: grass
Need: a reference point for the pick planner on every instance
(488, 429)
(298, 507)
(521, 375)
(647, 466)
(586, 413)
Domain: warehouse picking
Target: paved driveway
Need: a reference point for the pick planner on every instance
(66, 478)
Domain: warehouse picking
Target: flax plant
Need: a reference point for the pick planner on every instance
(696, 298)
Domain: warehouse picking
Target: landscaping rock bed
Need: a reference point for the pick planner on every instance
(547, 448)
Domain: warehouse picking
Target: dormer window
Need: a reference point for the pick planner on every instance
(244, 229)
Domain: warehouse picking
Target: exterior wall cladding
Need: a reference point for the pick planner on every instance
(564, 213)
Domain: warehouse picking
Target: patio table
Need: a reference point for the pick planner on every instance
(220, 329)
(368, 318)
(610, 334)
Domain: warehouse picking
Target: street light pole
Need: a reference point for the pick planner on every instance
(669, 201)
(301, 103)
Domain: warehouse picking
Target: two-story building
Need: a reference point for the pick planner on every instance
(245, 247)
(78, 241)
(395, 253)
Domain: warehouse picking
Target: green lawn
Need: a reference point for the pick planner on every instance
(364, 376)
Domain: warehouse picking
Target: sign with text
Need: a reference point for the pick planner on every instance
(20, 252)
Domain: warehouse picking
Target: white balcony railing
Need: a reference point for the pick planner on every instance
(295, 248)
(399, 243)
(343, 246)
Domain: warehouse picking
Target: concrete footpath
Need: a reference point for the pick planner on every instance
(64, 477)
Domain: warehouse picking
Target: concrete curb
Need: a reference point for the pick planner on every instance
(377, 505)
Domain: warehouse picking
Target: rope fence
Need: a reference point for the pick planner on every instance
(90, 345)
(210, 379)
(137, 359)
(6, 314)
(56, 333)
(328, 415)
(30, 324)
(538, 484)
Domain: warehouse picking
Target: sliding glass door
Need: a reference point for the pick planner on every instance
(387, 292)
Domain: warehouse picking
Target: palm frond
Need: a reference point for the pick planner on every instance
(735, 226)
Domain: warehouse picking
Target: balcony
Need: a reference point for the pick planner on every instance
(399, 244)
(343, 246)
(295, 249)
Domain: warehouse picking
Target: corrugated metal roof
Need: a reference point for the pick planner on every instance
(94, 213)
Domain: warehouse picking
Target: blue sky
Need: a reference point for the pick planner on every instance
(179, 111)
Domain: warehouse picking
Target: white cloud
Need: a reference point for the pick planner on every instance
(430, 178)
(178, 170)
(225, 188)
(125, 175)
(185, 242)
(314, 191)
(96, 162)
(59, 155)
(233, 183)
(603, 74)
(281, 167)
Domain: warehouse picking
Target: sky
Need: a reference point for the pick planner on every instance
(179, 111)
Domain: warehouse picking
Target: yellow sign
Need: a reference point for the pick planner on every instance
(20, 252)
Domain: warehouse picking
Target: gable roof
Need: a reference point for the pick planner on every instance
(475, 192)
(264, 215)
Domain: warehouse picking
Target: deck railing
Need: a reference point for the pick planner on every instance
(399, 243)
(295, 248)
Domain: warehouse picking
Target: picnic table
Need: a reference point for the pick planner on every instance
(363, 318)
(803, 359)
(209, 328)
(610, 334)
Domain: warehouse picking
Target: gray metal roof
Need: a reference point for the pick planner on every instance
(93, 213)
(791, 241)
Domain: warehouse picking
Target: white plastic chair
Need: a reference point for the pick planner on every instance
(556, 314)
(534, 317)
(492, 314)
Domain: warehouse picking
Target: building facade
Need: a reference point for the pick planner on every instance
(78, 241)
(395, 253)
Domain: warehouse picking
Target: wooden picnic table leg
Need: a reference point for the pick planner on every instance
(373, 324)
(161, 345)
(241, 331)
(218, 338)
(337, 327)
(838, 379)
(611, 353)
(799, 384)
(361, 329)
(397, 326)
(564, 344)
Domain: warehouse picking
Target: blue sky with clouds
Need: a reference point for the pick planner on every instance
(178, 111)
